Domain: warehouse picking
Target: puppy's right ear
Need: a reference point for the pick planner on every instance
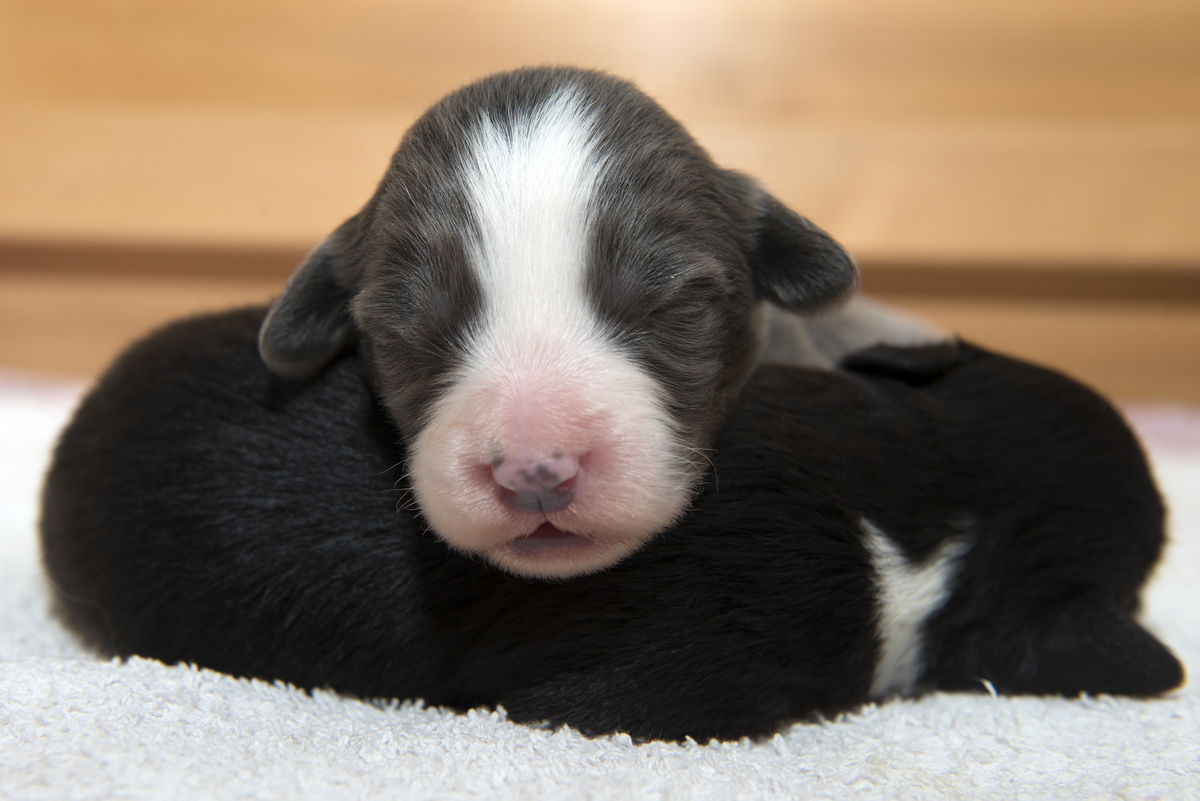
(795, 264)
(310, 323)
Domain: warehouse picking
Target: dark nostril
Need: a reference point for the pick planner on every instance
(547, 500)
(534, 485)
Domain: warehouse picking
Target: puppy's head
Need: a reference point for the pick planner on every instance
(557, 293)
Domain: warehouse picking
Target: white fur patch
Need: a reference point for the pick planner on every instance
(531, 186)
(908, 595)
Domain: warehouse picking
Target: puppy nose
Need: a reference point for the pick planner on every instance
(537, 485)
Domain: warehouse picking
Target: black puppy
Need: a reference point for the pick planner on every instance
(929, 519)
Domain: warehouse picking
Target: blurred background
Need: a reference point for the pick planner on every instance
(1026, 172)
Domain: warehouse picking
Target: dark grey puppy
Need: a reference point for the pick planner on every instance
(557, 295)
(922, 519)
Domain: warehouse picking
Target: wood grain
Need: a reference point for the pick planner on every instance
(75, 325)
(764, 59)
(928, 129)
(1129, 351)
(1026, 172)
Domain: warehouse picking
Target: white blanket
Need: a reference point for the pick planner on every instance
(76, 726)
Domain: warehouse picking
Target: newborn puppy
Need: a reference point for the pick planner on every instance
(557, 295)
(928, 518)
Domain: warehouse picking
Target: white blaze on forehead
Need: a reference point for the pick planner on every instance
(530, 183)
(541, 378)
(908, 595)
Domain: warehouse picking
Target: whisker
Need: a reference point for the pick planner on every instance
(705, 458)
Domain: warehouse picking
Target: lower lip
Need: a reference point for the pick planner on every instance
(548, 538)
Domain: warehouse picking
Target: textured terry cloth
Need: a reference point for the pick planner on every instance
(76, 726)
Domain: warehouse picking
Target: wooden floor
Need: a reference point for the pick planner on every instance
(160, 158)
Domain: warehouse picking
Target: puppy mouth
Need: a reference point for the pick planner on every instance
(547, 538)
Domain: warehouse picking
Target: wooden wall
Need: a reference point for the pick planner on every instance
(1026, 172)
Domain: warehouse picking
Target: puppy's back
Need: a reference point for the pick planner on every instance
(1052, 491)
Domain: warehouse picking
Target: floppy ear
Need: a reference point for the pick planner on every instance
(916, 366)
(310, 323)
(797, 265)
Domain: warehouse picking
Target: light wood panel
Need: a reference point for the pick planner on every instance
(951, 193)
(768, 59)
(1131, 351)
(926, 129)
(74, 325)
(158, 158)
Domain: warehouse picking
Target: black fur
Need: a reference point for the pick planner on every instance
(201, 509)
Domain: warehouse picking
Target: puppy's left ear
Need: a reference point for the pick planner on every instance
(795, 264)
(309, 323)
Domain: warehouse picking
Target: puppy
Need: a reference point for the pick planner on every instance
(557, 295)
(926, 518)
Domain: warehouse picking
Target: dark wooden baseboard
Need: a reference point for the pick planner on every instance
(160, 260)
(1127, 283)
(1108, 283)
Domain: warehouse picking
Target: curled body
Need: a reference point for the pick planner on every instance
(924, 518)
